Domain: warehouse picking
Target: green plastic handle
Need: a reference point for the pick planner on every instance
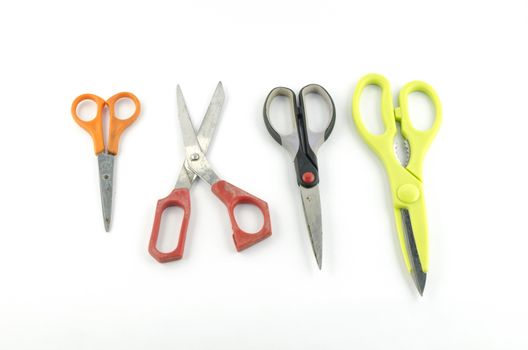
(406, 182)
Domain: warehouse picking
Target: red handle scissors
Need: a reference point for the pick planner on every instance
(196, 165)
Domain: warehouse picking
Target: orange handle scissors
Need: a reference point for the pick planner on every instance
(105, 153)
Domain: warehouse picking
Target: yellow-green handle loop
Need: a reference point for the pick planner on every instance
(419, 140)
(381, 144)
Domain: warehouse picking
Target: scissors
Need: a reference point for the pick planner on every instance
(405, 176)
(196, 165)
(302, 144)
(106, 153)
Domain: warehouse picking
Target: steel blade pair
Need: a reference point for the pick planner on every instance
(205, 133)
(302, 143)
(105, 161)
(197, 165)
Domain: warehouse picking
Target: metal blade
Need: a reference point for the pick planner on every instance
(418, 275)
(106, 178)
(189, 135)
(312, 213)
(205, 133)
(209, 122)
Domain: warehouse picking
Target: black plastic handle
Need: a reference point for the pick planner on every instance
(305, 158)
(278, 91)
(321, 91)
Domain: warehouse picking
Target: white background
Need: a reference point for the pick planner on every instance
(66, 284)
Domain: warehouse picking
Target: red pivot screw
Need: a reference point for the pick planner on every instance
(308, 177)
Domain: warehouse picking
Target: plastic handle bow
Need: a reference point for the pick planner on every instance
(116, 125)
(232, 196)
(382, 145)
(179, 197)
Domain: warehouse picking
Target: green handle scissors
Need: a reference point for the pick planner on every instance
(405, 177)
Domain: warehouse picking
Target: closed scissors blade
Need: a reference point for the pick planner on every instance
(312, 212)
(417, 273)
(106, 179)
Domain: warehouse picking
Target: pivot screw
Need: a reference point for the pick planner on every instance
(195, 156)
(308, 177)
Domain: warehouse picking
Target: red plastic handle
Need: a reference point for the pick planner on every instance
(177, 198)
(232, 196)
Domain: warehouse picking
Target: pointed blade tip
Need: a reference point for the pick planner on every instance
(220, 90)
(318, 252)
(419, 280)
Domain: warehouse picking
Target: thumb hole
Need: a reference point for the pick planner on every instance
(421, 110)
(249, 218)
(124, 108)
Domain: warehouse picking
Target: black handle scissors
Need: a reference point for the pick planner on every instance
(302, 144)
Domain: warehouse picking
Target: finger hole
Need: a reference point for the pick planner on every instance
(86, 110)
(124, 108)
(317, 112)
(170, 227)
(421, 110)
(370, 106)
(281, 115)
(249, 218)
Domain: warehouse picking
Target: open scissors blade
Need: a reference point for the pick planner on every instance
(195, 160)
(206, 131)
(106, 181)
(312, 212)
(190, 139)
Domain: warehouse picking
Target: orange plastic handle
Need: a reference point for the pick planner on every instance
(95, 126)
(116, 125)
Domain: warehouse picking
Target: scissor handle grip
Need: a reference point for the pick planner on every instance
(179, 197)
(117, 125)
(419, 138)
(290, 140)
(301, 127)
(382, 142)
(95, 126)
(316, 138)
(232, 196)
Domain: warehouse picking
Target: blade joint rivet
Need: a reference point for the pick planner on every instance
(308, 177)
(195, 156)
